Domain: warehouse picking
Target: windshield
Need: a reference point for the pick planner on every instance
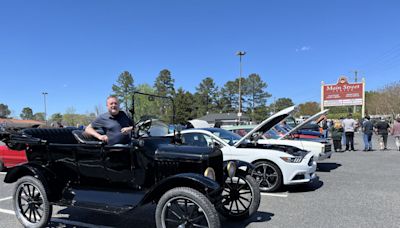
(271, 134)
(229, 137)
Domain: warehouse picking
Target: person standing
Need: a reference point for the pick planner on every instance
(349, 125)
(382, 127)
(396, 132)
(368, 129)
(336, 133)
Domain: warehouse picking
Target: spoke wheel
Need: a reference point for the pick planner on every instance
(185, 207)
(267, 175)
(240, 198)
(30, 202)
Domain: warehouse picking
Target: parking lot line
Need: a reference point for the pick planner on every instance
(76, 223)
(7, 198)
(7, 211)
(274, 194)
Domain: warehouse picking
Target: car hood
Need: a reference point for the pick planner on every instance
(268, 123)
(299, 126)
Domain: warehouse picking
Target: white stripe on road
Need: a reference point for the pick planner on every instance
(4, 173)
(76, 223)
(7, 198)
(63, 221)
(7, 211)
(274, 194)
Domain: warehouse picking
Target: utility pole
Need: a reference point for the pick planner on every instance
(45, 108)
(355, 80)
(240, 54)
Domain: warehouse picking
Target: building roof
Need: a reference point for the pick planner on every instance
(14, 123)
(213, 117)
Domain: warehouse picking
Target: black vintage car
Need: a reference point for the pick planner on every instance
(69, 168)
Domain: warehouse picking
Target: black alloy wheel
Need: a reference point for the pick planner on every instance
(31, 205)
(240, 198)
(185, 207)
(267, 175)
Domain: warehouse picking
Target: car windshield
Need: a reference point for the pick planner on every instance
(229, 137)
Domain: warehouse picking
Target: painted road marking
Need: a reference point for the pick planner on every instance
(63, 221)
(76, 223)
(274, 194)
(4, 173)
(4, 199)
(7, 211)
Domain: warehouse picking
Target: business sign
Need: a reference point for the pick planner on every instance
(343, 93)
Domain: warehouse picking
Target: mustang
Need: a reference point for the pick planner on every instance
(274, 164)
(320, 147)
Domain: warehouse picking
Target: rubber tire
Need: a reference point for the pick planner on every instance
(278, 171)
(2, 167)
(254, 205)
(194, 195)
(48, 208)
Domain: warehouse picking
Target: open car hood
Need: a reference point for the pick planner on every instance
(299, 126)
(268, 123)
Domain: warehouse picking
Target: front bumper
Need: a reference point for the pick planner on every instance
(302, 172)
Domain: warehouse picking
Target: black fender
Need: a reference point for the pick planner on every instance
(46, 176)
(210, 188)
(241, 165)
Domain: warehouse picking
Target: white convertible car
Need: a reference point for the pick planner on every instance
(274, 164)
(321, 149)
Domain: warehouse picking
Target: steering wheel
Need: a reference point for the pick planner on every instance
(143, 128)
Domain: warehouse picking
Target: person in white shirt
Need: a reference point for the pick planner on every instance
(349, 125)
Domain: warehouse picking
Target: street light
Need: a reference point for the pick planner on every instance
(240, 54)
(45, 111)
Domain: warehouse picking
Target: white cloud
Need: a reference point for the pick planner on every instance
(304, 48)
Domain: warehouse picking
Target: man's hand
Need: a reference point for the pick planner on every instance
(103, 138)
(126, 130)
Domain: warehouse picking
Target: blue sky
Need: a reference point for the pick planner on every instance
(75, 50)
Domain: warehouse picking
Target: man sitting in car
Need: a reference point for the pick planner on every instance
(115, 124)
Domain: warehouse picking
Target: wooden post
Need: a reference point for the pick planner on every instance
(322, 95)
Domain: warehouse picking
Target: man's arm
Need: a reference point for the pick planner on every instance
(91, 131)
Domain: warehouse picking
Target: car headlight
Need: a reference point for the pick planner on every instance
(210, 173)
(323, 149)
(231, 169)
(296, 159)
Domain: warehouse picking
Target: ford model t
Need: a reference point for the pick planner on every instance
(69, 168)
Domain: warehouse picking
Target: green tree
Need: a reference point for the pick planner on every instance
(26, 114)
(39, 116)
(229, 96)
(56, 117)
(255, 91)
(184, 106)
(164, 84)
(206, 95)
(309, 108)
(281, 104)
(260, 113)
(4, 111)
(144, 106)
(123, 89)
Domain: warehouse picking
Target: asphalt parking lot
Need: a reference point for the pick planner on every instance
(353, 189)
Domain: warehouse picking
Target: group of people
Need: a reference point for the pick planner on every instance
(342, 132)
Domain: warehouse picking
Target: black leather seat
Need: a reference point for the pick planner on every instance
(83, 137)
(52, 135)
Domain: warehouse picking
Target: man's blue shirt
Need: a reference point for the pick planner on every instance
(112, 126)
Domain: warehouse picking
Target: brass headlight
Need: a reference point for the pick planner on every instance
(231, 168)
(210, 173)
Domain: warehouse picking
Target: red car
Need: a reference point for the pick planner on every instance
(10, 158)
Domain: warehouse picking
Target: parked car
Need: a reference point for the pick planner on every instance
(70, 168)
(272, 136)
(10, 158)
(274, 164)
